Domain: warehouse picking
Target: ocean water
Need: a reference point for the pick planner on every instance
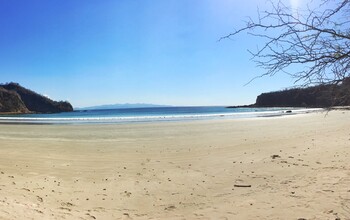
(150, 115)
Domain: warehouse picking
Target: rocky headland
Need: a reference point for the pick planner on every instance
(320, 96)
(15, 99)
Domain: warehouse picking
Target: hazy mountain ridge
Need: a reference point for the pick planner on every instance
(16, 99)
(122, 106)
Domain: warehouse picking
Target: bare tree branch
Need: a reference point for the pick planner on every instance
(316, 42)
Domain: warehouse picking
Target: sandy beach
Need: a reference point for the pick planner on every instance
(293, 167)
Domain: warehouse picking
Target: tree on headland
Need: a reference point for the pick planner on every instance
(312, 44)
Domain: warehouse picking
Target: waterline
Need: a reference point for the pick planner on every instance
(152, 115)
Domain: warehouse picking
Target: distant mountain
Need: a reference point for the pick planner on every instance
(16, 99)
(121, 106)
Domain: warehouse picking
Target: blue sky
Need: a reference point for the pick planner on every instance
(117, 51)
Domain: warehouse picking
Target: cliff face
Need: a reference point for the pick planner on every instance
(17, 99)
(11, 102)
(317, 96)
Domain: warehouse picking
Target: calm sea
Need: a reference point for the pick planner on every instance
(149, 115)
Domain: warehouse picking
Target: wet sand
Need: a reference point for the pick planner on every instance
(293, 167)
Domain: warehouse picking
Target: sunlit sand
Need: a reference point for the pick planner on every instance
(293, 167)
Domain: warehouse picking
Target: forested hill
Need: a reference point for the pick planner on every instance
(15, 99)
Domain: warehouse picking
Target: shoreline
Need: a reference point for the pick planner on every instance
(154, 118)
(296, 167)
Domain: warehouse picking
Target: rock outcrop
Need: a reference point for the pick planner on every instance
(11, 102)
(321, 96)
(17, 99)
(317, 96)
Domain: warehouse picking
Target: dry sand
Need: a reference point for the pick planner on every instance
(179, 170)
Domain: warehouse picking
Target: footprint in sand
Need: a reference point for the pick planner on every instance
(170, 208)
(68, 204)
(126, 216)
(39, 199)
(126, 193)
(91, 216)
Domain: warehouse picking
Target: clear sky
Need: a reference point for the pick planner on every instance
(93, 52)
